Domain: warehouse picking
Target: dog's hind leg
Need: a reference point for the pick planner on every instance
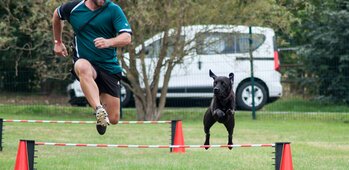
(208, 122)
(229, 125)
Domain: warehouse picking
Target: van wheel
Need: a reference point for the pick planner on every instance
(126, 95)
(244, 96)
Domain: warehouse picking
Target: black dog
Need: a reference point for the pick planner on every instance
(222, 106)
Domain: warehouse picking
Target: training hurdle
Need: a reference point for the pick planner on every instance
(26, 149)
(176, 128)
(83, 122)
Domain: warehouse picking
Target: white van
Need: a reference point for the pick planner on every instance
(223, 49)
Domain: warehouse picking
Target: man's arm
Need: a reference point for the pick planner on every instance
(57, 26)
(121, 40)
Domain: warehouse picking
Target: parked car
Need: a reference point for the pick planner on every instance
(223, 49)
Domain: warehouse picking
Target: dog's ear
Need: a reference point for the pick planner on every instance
(231, 77)
(212, 75)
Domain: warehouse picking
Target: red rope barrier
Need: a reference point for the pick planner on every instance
(153, 146)
(83, 122)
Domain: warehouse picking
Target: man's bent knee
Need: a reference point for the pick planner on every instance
(83, 68)
(114, 121)
(114, 118)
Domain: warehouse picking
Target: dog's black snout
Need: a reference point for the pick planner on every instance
(215, 90)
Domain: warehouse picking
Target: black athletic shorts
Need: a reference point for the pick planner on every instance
(106, 82)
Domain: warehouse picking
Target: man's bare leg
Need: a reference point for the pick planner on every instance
(112, 105)
(87, 75)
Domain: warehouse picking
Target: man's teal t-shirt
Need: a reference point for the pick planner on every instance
(107, 24)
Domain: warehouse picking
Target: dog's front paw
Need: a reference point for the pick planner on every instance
(230, 112)
(219, 115)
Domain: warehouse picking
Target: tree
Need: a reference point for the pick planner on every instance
(27, 60)
(145, 20)
(322, 29)
(326, 54)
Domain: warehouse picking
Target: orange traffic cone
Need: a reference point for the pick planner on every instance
(178, 137)
(286, 159)
(22, 157)
(25, 155)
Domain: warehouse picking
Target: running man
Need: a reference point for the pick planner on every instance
(100, 26)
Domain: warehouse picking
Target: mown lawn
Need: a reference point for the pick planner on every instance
(318, 140)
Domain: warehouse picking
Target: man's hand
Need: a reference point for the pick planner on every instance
(60, 49)
(102, 42)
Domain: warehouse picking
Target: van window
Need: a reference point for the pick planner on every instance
(226, 43)
(153, 50)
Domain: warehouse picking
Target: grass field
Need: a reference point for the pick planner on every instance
(318, 140)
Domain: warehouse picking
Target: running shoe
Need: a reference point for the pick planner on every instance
(102, 120)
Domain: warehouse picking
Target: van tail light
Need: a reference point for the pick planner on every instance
(276, 56)
(276, 61)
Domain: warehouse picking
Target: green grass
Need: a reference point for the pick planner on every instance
(318, 140)
(298, 104)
